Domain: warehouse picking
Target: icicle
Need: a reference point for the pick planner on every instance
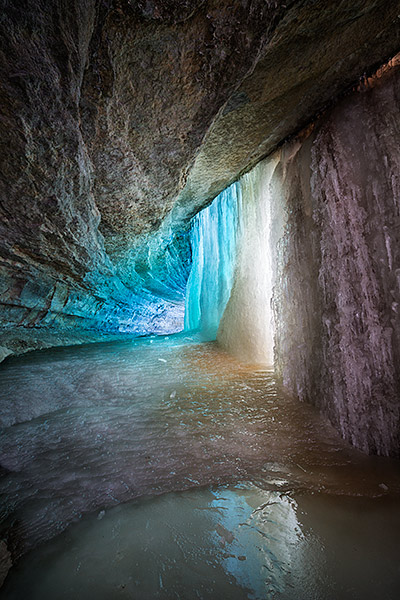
(213, 241)
(230, 285)
(246, 329)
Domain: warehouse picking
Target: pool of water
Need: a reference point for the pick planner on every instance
(164, 468)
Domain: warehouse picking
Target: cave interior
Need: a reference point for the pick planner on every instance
(199, 219)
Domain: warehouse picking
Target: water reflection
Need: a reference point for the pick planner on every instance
(232, 542)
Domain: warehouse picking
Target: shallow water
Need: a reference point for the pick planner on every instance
(85, 429)
(235, 542)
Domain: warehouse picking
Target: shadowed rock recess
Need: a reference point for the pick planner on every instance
(121, 119)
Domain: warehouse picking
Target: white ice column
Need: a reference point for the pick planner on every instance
(246, 326)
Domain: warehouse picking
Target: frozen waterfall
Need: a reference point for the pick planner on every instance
(213, 242)
(230, 285)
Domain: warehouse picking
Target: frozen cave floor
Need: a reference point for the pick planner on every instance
(164, 468)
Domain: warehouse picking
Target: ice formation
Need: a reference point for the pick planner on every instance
(230, 285)
(317, 229)
(213, 241)
(246, 326)
(337, 285)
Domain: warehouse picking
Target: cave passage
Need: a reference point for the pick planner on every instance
(187, 470)
(176, 465)
(206, 197)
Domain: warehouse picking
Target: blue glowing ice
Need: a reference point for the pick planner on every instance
(228, 295)
(213, 241)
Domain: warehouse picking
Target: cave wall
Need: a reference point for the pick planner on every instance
(337, 266)
(53, 264)
(316, 50)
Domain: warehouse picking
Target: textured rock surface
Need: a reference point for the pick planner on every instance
(157, 79)
(105, 106)
(316, 50)
(337, 282)
(5, 562)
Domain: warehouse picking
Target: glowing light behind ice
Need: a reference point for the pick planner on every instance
(213, 241)
(246, 326)
(230, 285)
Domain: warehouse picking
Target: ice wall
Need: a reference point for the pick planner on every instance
(337, 278)
(213, 242)
(230, 284)
(246, 325)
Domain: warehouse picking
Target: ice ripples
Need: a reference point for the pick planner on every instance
(108, 423)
